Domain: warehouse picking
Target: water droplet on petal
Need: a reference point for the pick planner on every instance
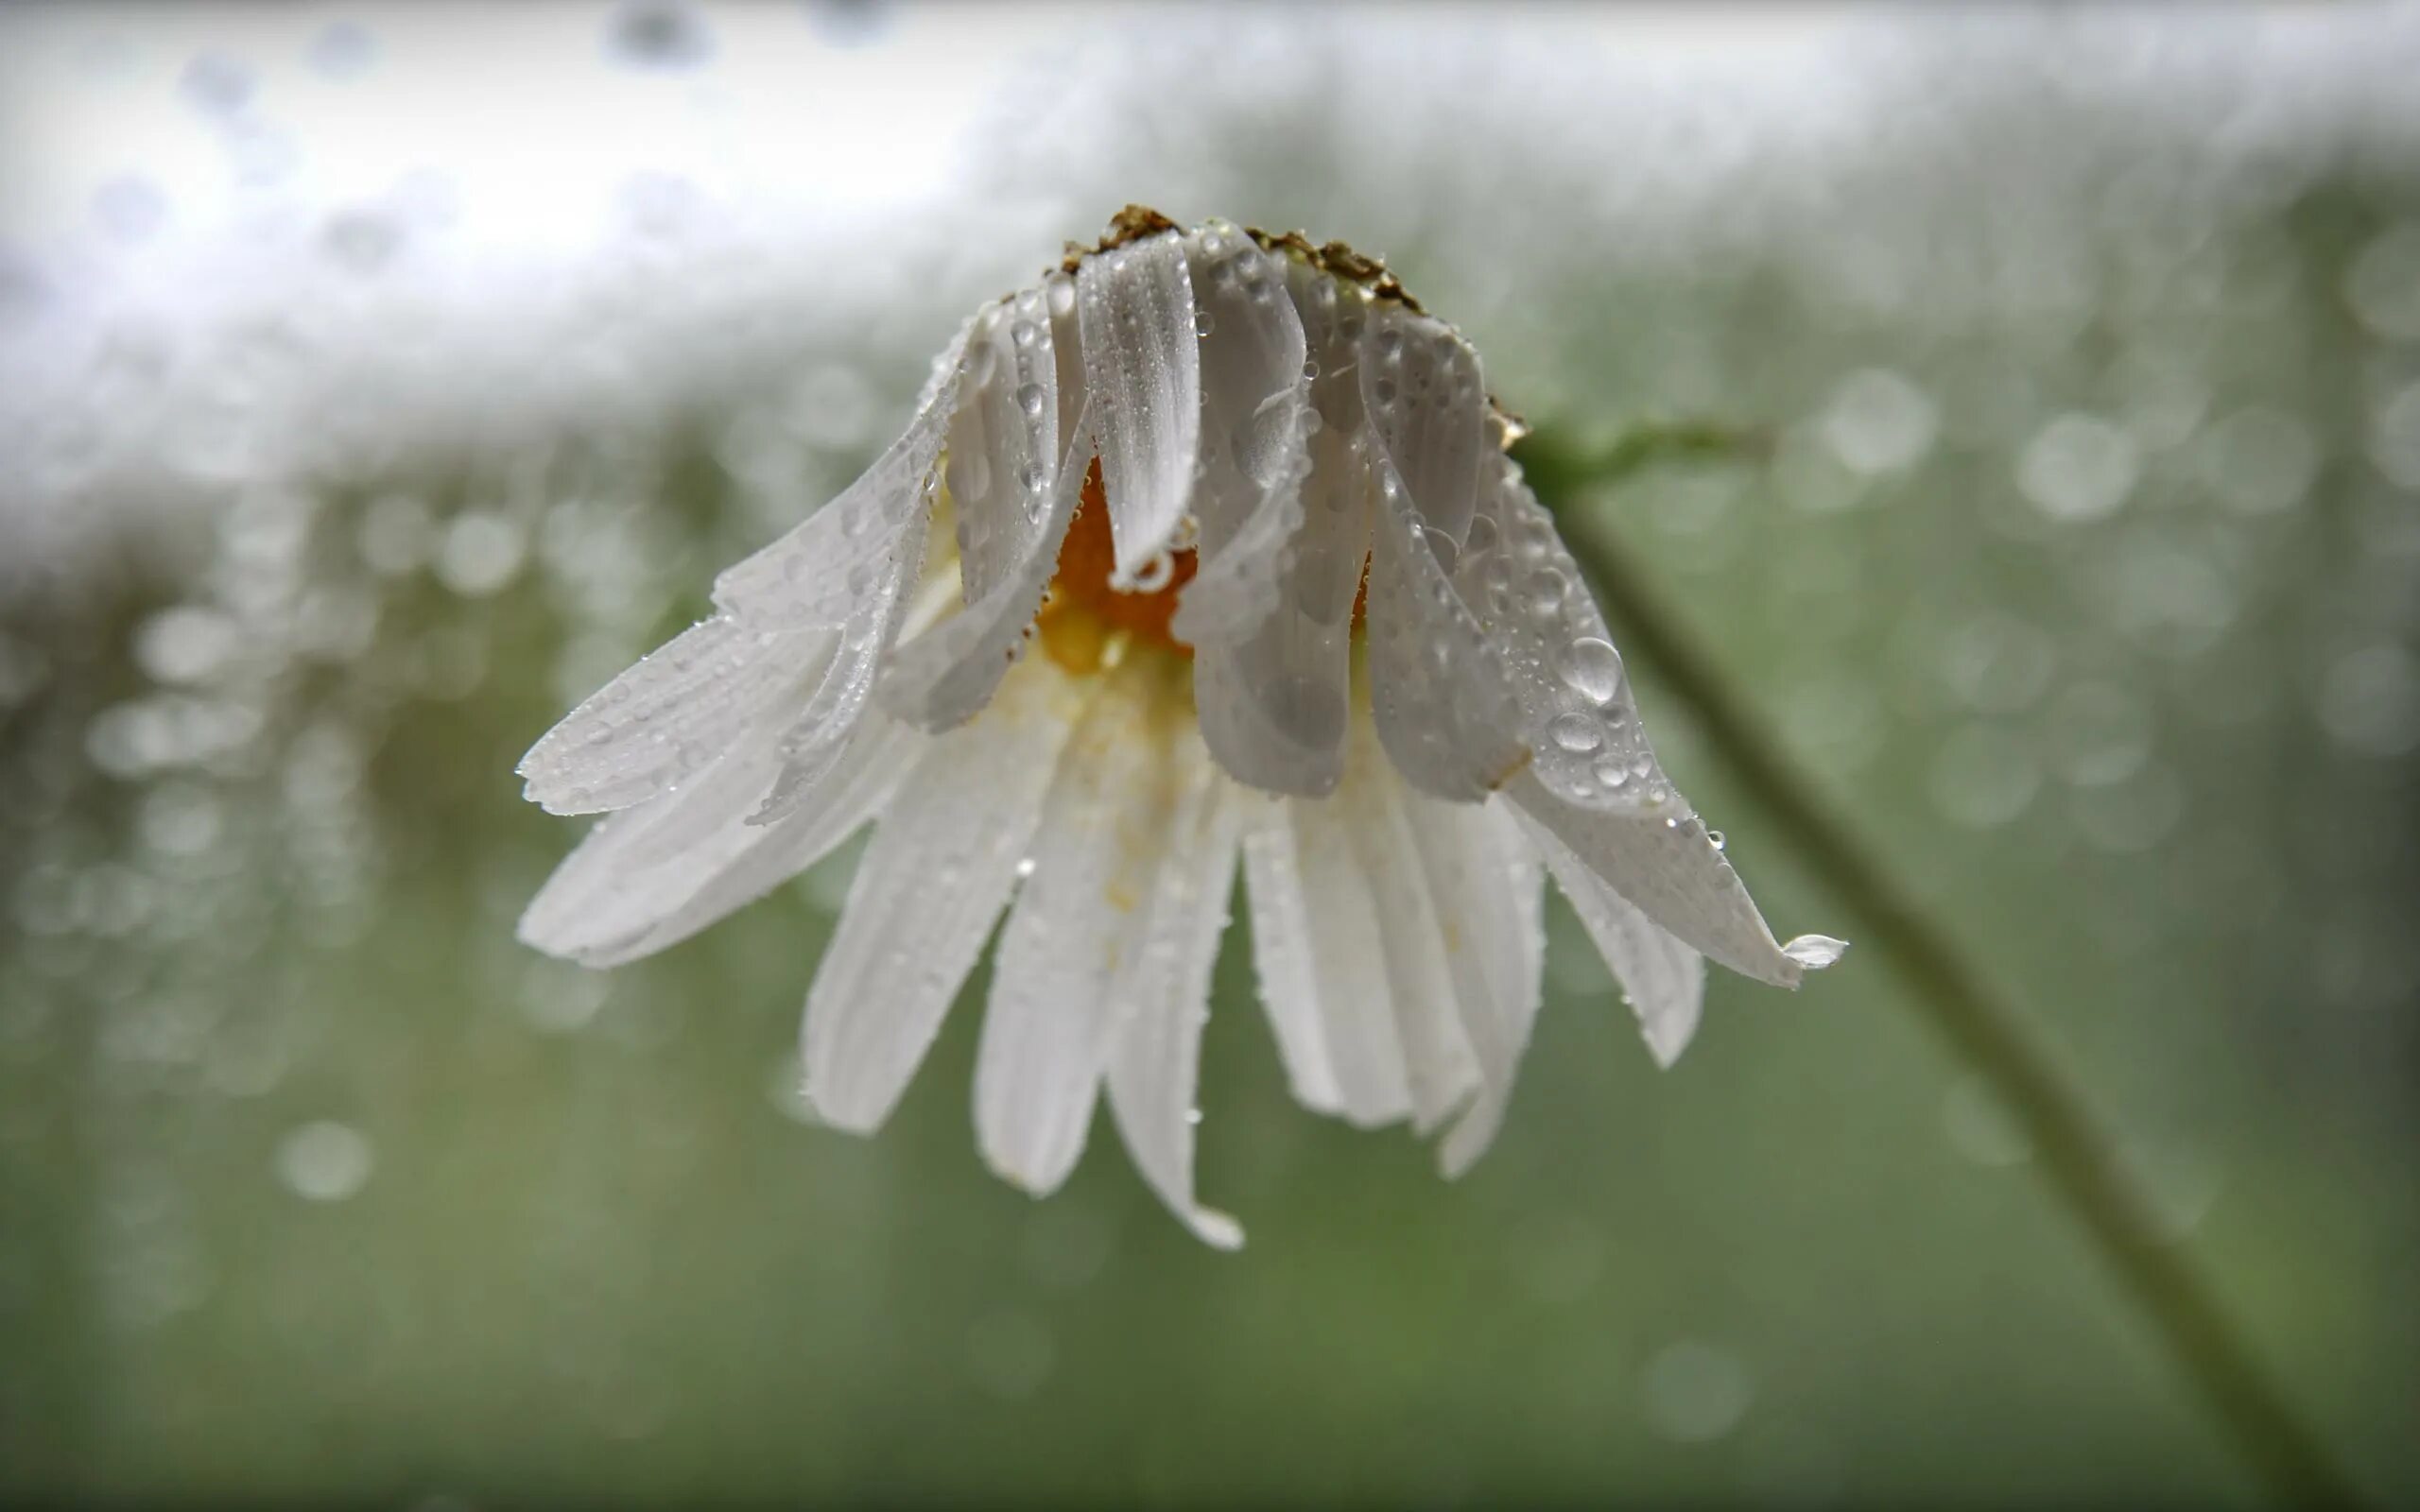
(1592, 668)
(1815, 952)
(1544, 590)
(1576, 732)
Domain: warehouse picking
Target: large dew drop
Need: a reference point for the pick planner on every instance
(1592, 668)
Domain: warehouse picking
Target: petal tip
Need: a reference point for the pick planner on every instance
(1216, 1229)
(1666, 1046)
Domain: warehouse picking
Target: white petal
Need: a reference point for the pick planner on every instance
(1663, 979)
(1004, 444)
(1670, 871)
(1577, 716)
(1164, 992)
(673, 712)
(1420, 385)
(1284, 951)
(1437, 682)
(1048, 1027)
(1273, 704)
(650, 878)
(945, 675)
(1143, 370)
(1439, 1066)
(1322, 971)
(814, 739)
(943, 862)
(820, 571)
(1247, 499)
(1484, 881)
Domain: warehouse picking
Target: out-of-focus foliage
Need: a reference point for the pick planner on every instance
(2081, 560)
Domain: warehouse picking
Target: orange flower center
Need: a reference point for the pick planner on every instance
(1082, 614)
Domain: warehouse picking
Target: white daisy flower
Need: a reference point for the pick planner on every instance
(1232, 565)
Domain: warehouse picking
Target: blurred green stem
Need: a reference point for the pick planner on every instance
(1981, 1023)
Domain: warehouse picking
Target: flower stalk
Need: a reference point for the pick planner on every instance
(1982, 1021)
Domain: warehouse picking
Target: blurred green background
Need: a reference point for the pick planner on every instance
(2081, 565)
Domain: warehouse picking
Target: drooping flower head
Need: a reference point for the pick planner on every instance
(1293, 604)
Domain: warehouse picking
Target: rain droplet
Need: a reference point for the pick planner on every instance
(1592, 668)
(1155, 573)
(1204, 322)
(1029, 399)
(1576, 732)
(1545, 589)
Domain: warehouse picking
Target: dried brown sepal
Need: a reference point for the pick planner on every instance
(1131, 224)
(1336, 259)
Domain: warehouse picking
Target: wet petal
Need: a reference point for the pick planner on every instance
(1670, 871)
(1141, 366)
(1004, 442)
(1485, 884)
(1577, 716)
(672, 712)
(943, 863)
(1316, 943)
(1663, 979)
(650, 878)
(1421, 387)
(1163, 993)
(1273, 703)
(1436, 680)
(820, 571)
(1071, 935)
(814, 738)
(1439, 1069)
(945, 675)
(1247, 499)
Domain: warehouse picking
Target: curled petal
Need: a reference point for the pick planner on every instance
(1255, 404)
(1437, 681)
(1004, 442)
(822, 570)
(1273, 702)
(1577, 716)
(1135, 305)
(943, 677)
(1421, 389)
(1670, 871)
(814, 739)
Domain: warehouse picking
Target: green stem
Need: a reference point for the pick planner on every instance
(1981, 1023)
